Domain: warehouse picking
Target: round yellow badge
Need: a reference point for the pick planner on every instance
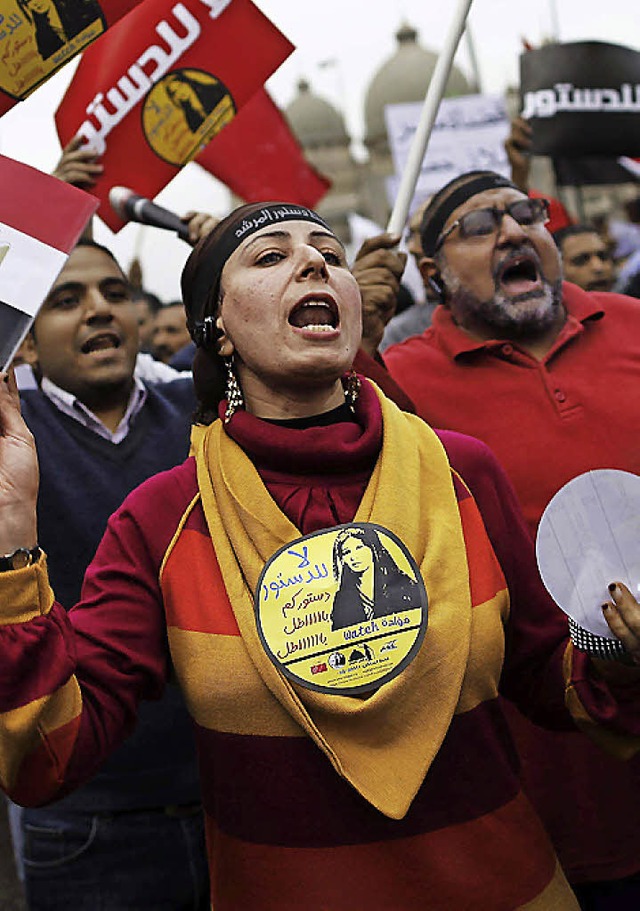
(342, 610)
(183, 111)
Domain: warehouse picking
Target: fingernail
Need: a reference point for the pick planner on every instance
(612, 587)
(606, 606)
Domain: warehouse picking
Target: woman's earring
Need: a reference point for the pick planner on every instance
(234, 395)
(351, 385)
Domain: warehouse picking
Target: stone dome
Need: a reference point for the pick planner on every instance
(404, 77)
(315, 121)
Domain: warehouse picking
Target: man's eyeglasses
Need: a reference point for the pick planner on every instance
(482, 222)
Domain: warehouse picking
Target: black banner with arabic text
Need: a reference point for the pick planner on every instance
(582, 99)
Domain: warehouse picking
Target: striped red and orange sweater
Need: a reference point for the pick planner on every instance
(285, 831)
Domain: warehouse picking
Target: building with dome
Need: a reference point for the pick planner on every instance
(404, 77)
(320, 129)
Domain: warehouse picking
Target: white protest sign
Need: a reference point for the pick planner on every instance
(468, 135)
(588, 538)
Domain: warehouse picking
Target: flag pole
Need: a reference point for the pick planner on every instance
(427, 118)
(473, 58)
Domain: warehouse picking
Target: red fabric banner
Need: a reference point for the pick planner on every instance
(258, 158)
(162, 83)
(37, 38)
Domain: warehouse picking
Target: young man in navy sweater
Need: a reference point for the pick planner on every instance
(132, 838)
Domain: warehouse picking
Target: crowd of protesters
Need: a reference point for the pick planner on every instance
(527, 343)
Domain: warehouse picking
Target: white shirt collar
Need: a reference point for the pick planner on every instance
(70, 405)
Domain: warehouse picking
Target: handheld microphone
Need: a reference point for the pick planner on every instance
(131, 207)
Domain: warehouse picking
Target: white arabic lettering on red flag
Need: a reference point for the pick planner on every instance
(164, 82)
(37, 37)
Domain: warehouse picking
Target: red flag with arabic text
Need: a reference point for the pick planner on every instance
(258, 157)
(162, 84)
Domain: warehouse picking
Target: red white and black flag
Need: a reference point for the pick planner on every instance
(162, 84)
(37, 37)
(41, 219)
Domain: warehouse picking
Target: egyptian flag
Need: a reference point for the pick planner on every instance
(41, 219)
(258, 157)
(162, 84)
(36, 42)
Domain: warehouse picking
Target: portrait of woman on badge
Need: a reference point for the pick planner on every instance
(370, 582)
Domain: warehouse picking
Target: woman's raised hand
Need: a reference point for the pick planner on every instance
(18, 473)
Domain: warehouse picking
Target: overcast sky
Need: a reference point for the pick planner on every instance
(359, 37)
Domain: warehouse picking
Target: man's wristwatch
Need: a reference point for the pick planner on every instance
(20, 558)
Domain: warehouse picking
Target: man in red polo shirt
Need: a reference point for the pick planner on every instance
(548, 375)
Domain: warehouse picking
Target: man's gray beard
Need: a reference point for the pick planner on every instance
(501, 312)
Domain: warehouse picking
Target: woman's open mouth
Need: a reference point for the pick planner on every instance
(315, 313)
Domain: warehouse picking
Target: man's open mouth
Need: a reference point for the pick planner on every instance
(315, 313)
(519, 274)
(101, 342)
(599, 284)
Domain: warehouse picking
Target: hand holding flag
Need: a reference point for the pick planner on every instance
(79, 164)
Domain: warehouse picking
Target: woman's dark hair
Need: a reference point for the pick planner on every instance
(393, 588)
(370, 538)
(202, 303)
(209, 379)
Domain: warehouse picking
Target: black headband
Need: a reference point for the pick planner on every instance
(267, 215)
(201, 275)
(442, 205)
